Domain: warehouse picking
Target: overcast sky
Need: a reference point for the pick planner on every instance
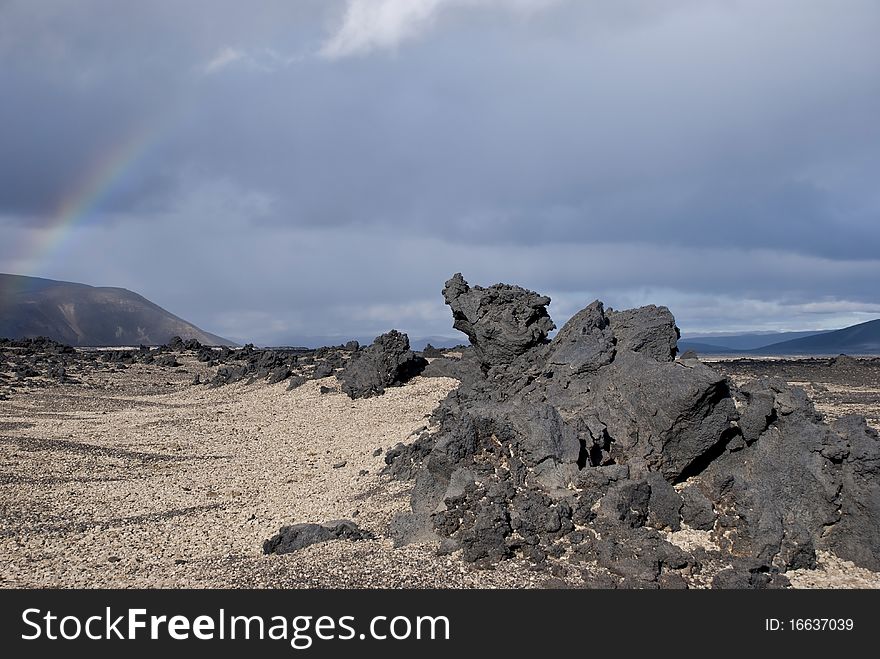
(297, 168)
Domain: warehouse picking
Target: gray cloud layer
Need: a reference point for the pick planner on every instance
(321, 167)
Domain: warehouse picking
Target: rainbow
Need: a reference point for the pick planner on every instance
(96, 183)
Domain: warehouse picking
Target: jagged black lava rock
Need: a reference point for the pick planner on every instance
(465, 367)
(323, 370)
(297, 536)
(387, 362)
(856, 534)
(430, 351)
(176, 343)
(278, 374)
(167, 360)
(501, 321)
(593, 442)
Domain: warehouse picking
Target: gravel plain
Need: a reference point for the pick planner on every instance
(138, 479)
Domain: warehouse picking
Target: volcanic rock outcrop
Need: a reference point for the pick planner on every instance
(387, 362)
(597, 442)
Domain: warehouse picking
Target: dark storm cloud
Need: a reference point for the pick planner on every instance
(343, 158)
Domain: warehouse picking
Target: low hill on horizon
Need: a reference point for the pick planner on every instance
(83, 315)
(860, 339)
(748, 340)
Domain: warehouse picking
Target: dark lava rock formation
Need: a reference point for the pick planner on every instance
(502, 322)
(41, 362)
(387, 362)
(363, 372)
(297, 536)
(594, 443)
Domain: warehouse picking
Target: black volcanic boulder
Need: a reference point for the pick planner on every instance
(297, 536)
(278, 374)
(167, 360)
(57, 372)
(387, 362)
(206, 354)
(697, 511)
(228, 375)
(323, 370)
(295, 382)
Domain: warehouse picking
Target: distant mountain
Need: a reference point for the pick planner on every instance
(861, 339)
(748, 341)
(82, 315)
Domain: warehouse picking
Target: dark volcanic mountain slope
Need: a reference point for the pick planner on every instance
(863, 338)
(740, 342)
(82, 315)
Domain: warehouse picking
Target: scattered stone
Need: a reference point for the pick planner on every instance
(749, 578)
(293, 538)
